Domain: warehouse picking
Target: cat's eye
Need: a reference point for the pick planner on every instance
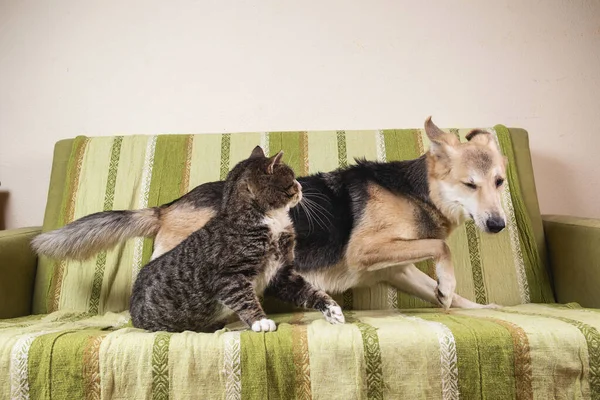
(499, 182)
(287, 191)
(470, 185)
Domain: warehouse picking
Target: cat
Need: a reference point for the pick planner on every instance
(223, 267)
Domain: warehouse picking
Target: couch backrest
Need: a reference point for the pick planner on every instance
(128, 172)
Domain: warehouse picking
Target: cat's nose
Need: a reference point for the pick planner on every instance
(299, 185)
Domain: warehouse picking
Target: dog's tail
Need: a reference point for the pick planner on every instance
(93, 233)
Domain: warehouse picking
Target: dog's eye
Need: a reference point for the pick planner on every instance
(470, 185)
(499, 182)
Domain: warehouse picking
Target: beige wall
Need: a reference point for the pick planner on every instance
(124, 67)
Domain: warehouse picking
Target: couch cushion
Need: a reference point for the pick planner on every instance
(105, 173)
(523, 352)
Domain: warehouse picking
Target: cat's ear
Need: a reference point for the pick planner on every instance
(257, 152)
(276, 159)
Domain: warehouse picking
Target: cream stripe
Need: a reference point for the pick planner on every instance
(514, 238)
(516, 247)
(185, 181)
(264, 142)
(380, 143)
(392, 297)
(143, 203)
(19, 366)
(147, 174)
(449, 362)
(91, 368)
(232, 366)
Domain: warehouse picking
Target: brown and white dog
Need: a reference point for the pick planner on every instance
(356, 226)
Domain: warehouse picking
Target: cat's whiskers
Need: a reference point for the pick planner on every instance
(318, 212)
(315, 192)
(308, 217)
(320, 207)
(317, 216)
(321, 197)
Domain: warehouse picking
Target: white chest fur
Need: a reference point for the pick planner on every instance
(277, 221)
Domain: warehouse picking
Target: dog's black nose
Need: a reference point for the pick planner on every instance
(495, 224)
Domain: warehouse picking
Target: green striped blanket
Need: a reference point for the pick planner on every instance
(523, 352)
(106, 173)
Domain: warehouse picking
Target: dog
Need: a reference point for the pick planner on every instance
(358, 226)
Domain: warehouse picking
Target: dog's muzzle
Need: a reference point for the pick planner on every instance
(495, 224)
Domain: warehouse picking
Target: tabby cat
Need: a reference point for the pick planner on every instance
(223, 267)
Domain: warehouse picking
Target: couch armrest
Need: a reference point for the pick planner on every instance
(18, 264)
(574, 254)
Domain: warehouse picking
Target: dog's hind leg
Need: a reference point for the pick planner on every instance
(413, 281)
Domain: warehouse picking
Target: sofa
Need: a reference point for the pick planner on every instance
(65, 331)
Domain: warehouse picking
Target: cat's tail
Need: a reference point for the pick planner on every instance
(93, 233)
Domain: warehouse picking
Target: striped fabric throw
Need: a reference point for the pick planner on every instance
(522, 352)
(128, 172)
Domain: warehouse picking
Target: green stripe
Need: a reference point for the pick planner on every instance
(280, 363)
(485, 356)
(67, 364)
(71, 168)
(537, 277)
(290, 144)
(348, 299)
(225, 154)
(97, 283)
(348, 295)
(115, 153)
(401, 144)
(169, 166)
(109, 198)
(50, 357)
(372, 354)
(592, 338)
(254, 365)
(473, 241)
(341, 145)
(170, 156)
(275, 145)
(160, 366)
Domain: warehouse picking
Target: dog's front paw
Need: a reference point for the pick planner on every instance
(264, 325)
(445, 292)
(333, 314)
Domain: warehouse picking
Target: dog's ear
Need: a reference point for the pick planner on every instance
(442, 143)
(483, 138)
(479, 136)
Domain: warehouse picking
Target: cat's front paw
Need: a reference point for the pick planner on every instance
(264, 325)
(333, 314)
